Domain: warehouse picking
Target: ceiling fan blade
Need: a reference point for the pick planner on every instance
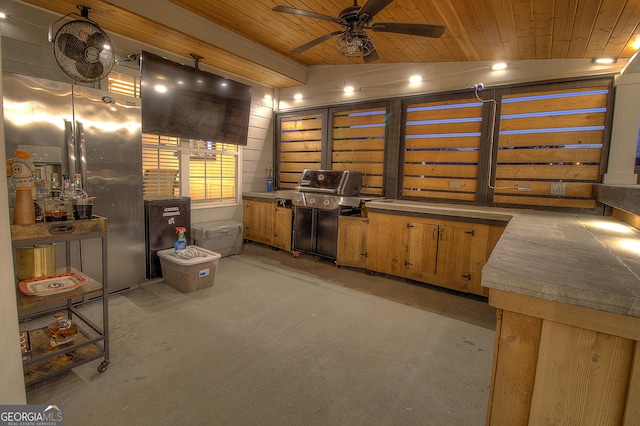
(424, 30)
(312, 43)
(305, 13)
(371, 8)
(371, 57)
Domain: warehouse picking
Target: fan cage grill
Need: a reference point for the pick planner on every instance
(83, 51)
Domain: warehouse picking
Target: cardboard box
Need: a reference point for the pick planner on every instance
(189, 274)
(221, 236)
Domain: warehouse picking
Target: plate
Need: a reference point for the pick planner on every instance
(53, 284)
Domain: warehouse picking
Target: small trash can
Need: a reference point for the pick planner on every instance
(189, 274)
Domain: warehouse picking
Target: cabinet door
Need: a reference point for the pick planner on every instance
(454, 253)
(422, 249)
(258, 221)
(282, 228)
(352, 241)
(387, 244)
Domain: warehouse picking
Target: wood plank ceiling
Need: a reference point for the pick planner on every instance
(478, 30)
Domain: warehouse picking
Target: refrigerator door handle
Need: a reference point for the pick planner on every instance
(69, 136)
(80, 149)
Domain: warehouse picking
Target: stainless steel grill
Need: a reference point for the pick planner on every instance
(320, 197)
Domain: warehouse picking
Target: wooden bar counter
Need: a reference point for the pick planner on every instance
(567, 292)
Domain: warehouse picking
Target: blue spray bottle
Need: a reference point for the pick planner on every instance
(270, 181)
(181, 243)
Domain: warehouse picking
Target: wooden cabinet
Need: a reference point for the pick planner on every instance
(559, 364)
(442, 252)
(439, 253)
(258, 221)
(352, 241)
(265, 222)
(387, 244)
(283, 225)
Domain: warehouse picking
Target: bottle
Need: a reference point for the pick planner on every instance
(269, 181)
(62, 330)
(78, 192)
(181, 243)
(39, 213)
(67, 197)
(24, 212)
(22, 170)
(55, 186)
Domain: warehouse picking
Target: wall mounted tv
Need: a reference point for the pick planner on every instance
(183, 101)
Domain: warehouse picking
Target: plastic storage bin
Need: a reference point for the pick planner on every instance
(190, 274)
(221, 236)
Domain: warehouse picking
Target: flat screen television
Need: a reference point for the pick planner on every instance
(183, 101)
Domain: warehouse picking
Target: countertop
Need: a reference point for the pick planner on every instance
(450, 211)
(582, 260)
(259, 196)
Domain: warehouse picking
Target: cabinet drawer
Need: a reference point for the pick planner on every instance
(56, 231)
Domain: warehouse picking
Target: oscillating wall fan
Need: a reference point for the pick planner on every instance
(83, 50)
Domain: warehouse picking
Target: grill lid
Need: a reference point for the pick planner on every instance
(344, 183)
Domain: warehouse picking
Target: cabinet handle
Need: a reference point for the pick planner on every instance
(434, 235)
(472, 232)
(441, 233)
(467, 276)
(61, 229)
(410, 226)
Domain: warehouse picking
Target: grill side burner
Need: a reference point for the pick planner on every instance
(322, 196)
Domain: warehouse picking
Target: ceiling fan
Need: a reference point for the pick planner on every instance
(353, 41)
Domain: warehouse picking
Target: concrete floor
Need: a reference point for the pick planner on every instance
(280, 340)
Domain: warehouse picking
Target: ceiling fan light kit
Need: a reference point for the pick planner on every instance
(355, 44)
(353, 41)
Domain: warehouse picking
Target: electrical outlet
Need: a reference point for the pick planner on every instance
(524, 187)
(557, 188)
(454, 184)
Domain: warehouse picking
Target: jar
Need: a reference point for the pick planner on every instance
(62, 330)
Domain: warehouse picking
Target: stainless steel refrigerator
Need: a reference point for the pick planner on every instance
(71, 129)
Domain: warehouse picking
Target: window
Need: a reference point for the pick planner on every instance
(212, 166)
(160, 166)
(550, 147)
(442, 149)
(300, 146)
(212, 171)
(358, 140)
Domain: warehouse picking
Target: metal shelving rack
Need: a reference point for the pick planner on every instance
(93, 339)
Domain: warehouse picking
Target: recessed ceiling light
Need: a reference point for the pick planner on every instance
(348, 89)
(604, 61)
(636, 44)
(415, 79)
(499, 66)
(297, 96)
(3, 15)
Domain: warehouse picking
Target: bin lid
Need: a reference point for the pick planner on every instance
(205, 256)
(204, 230)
